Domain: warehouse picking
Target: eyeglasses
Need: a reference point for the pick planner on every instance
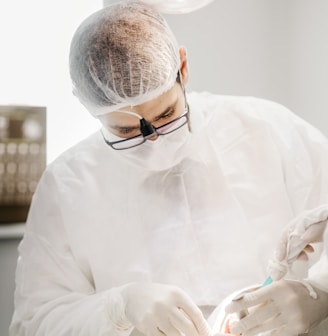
(148, 131)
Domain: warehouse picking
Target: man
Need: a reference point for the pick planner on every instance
(177, 202)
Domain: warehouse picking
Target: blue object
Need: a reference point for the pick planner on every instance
(267, 281)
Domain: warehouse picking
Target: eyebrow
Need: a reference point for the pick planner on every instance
(124, 129)
(168, 109)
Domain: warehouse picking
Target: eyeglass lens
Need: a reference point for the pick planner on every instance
(139, 139)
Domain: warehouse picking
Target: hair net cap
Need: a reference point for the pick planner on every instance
(177, 6)
(122, 55)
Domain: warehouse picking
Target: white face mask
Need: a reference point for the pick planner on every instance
(161, 154)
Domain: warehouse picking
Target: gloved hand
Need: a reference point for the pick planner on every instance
(295, 241)
(285, 307)
(157, 309)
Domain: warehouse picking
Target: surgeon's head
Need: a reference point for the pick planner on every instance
(129, 72)
(124, 55)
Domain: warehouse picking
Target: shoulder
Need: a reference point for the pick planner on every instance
(89, 155)
(239, 106)
(77, 153)
(232, 117)
(241, 114)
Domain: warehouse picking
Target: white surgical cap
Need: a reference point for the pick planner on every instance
(122, 55)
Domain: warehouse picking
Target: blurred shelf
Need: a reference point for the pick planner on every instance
(12, 231)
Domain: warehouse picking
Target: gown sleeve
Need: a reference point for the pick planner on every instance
(304, 151)
(53, 295)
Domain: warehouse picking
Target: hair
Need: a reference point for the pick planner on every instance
(122, 52)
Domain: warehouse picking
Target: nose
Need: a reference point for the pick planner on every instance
(153, 138)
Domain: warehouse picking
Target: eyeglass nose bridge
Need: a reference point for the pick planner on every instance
(147, 129)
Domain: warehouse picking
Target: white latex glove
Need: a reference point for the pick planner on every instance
(157, 309)
(296, 240)
(285, 307)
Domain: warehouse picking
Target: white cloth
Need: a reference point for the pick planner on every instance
(209, 225)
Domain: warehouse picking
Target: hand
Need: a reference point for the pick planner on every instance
(296, 240)
(285, 307)
(158, 309)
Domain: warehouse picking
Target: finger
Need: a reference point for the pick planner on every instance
(309, 249)
(314, 233)
(265, 327)
(203, 328)
(281, 332)
(168, 329)
(161, 332)
(311, 217)
(156, 331)
(180, 321)
(194, 314)
(276, 269)
(302, 256)
(251, 299)
(256, 319)
(242, 293)
(295, 246)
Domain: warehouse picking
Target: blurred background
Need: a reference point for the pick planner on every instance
(273, 49)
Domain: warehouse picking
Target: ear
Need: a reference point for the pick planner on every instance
(184, 70)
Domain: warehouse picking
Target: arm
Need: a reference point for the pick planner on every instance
(53, 296)
(56, 295)
(304, 153)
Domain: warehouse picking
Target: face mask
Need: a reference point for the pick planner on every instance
(161, 154)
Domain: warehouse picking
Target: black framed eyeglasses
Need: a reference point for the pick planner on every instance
(147, 130)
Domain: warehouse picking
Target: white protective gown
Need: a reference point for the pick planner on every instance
(209, 225)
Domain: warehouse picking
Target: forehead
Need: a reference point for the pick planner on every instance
(157, 105)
